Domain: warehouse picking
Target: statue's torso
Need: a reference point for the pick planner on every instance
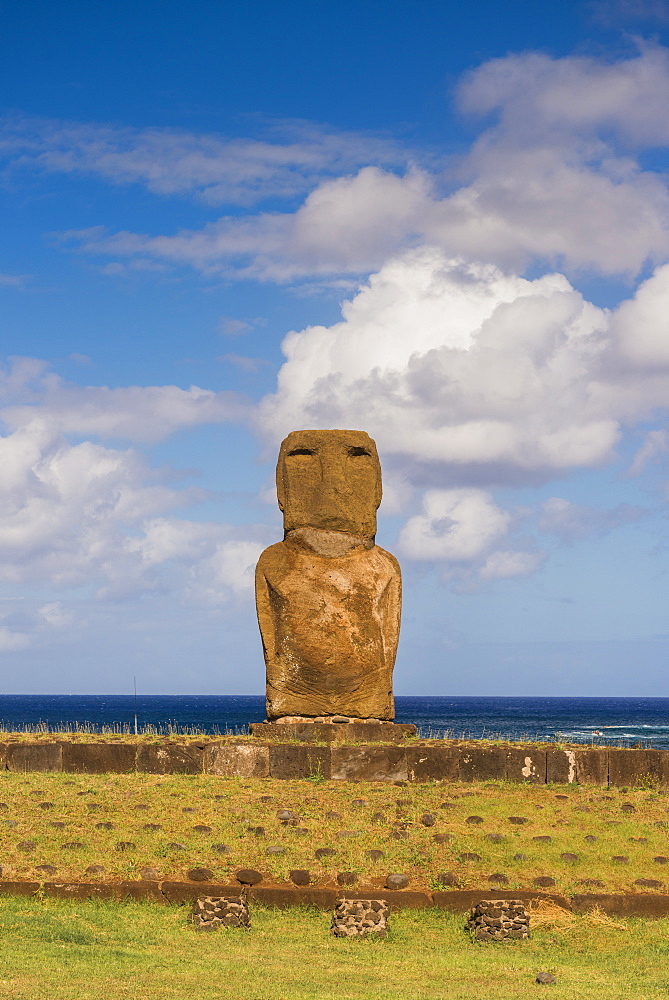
(330, 627)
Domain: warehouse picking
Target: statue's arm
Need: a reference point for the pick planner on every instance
(264, 609)
(391, 607)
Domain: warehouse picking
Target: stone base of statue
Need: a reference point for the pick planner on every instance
(332, 730)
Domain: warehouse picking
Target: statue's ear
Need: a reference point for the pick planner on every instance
(281, 473)
(378, 489)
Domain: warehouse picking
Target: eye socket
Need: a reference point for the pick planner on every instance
(356, 452)
(301, 451)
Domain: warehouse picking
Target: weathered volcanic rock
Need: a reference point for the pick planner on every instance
(200, 874)
(397, 881)
(248, 876)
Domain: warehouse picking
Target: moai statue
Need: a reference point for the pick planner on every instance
(328, 597)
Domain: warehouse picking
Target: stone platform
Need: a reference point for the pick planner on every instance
(333, 732)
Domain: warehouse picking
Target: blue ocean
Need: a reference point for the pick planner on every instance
(614, 721)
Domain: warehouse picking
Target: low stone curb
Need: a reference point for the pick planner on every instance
(443, 761)
(282, 897)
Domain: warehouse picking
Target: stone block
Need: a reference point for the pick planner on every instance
(9, 888)
(592, 766)
(298, 761)
(457, 900)
(78, 890)
(560, 766)
(188, 892)
(360, 918)
(647, 768)
(527, 764)
(209, 913)
(368, 764)
(636, 904)
(428, 763)
(329, 732)
(99, 758)
(482, 763)
(240, 761)
(170, 758)
(34, 757)
(499, 920)
(285, 896)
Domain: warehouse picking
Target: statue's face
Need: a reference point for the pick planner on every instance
(329, 480)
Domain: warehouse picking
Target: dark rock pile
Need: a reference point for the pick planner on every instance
(497, 919)
(360, 917)
(211, 912)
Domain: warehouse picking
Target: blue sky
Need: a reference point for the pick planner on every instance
(445, 224)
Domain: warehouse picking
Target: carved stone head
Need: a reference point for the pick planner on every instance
(329, 480)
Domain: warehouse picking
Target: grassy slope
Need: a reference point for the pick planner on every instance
(87, 950)
(230, 806)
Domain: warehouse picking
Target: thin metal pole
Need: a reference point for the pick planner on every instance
(135, 683)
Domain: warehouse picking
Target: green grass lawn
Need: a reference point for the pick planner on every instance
(41, 814)
(90, 950)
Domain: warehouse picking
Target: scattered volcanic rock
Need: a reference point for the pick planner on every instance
(375, 855)
(95, 870)
(248, 876)
(152, 827)
(498, 877)
(620, 859)
(544, 881)
(470, 856)
(203, 828)
(359, 803)
(73, 845)
(27, 845)
(518, 820)
(324, 852)
(399, 835)
(661, 859)
(445, 838)
(275, 849)
(474, 820)
(648, 883)
(46, 869)
(494, 838)
(200, 874)
(568, 856)
(448, 878)
(346, 878)
(545, 978)
(590, 839)
(221, 848)
(105, 826)
(149, 874)
(299, 876)
(627, 807)
(332, 815)
(58, 823)
(189, 809)
(397, 881)
(378, 818)
(45, 805)
(543, 839)
(520, 857)
(175, 846)
(591, 883)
